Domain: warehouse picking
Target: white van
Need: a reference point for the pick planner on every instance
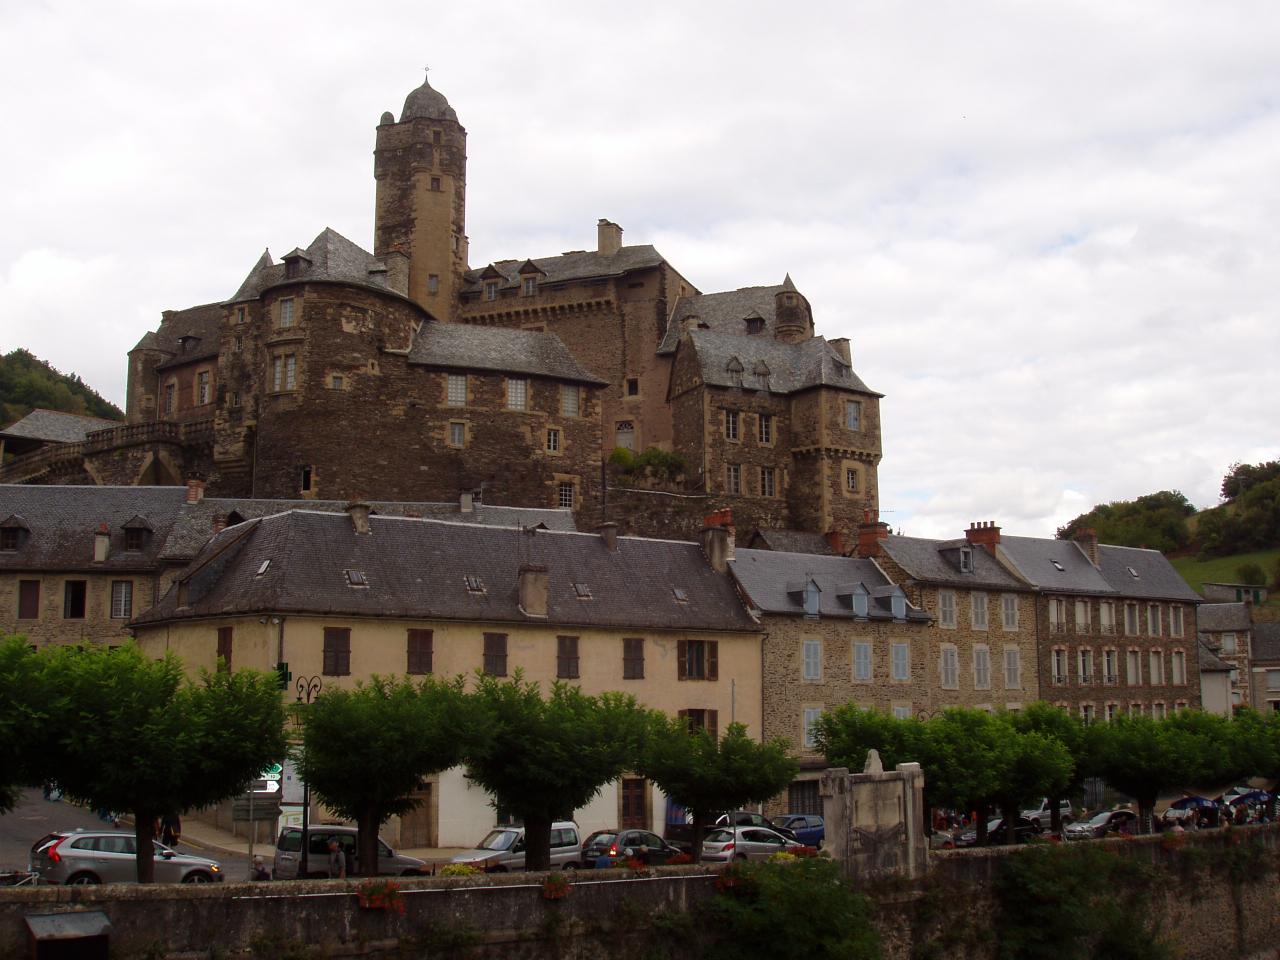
(288, 859)
(503, 849)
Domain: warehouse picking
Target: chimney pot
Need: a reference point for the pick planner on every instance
(358, 511)
(870, 533)
(195, 490)
(608, 237)
(219, 523)
(533, 589)
(983, 533)
(467, 503)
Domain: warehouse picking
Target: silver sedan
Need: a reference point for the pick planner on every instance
(744, 843)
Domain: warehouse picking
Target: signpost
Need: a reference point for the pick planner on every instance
(267, 807)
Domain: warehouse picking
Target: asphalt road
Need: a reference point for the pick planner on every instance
(34, 816)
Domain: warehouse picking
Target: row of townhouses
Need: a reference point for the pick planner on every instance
(768, 635)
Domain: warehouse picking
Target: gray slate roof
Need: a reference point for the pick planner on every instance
(768, 578)
(791, 367)
(330, 257)
(1156, 577)
(791, 541)
(55, 426)
(1035, 559)
(427, 102)
(724, 312)
(190, 334)
(1216, 617)
(1209, 661)
(417, 569)
(575, 265)
(1266, 641)
(465, 347)
(937, 562)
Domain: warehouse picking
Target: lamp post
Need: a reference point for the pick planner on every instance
(307, 689)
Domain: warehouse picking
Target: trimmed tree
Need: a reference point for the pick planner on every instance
(133, 734)
(24, 719)
(367, 751)
(542, 759)
(708, 775)
(1064, 728)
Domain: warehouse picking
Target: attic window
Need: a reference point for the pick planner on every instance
(681, 594)
(491, 290)
(134, 538)
(1132, 572)
(966, 560)
(898, 605)
(263, 569)
(10, 537)
(530, 285)
(1057, 566)
(474, 583)
(582, 591)
(356, 578)
(754, 324)
(859, 604)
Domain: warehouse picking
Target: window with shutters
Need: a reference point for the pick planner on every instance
(901, 656)
(74, 593)
(698, 659)
(1133, 667)
(811, 715)
(28, 599)
(1155, 668)
(203, 395)
(1082, 616)
(225, 635)
(981, 667)
(1131, 619)
(812, 660)
(853, 414)
(1059, 665)
(495, 654)
(1178, 668)
(949, 667)
(633, 658)
(1110, 667)
(1106, 616)
(1084, 662)
(1012, 668)
(1057, 614)
(567, 658)
(1153, 619)
(861, 660)
(699, 719)
(1175, 621)
(419, 647)
(1009, 611)
(121, 599)
(337, 652)
(947, 609)
(978, 610)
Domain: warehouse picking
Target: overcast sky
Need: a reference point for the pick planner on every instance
(1049, 230)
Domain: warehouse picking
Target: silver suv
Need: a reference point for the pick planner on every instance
(110, 856)
(289, 853)
(502, 849)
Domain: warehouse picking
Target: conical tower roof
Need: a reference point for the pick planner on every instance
(428, 104)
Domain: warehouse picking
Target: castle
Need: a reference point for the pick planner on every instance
(406, 373)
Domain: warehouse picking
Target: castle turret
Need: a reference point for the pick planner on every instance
(420, 165)
(793, 319)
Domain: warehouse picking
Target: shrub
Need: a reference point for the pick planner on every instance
(459, 870)
(1251, 573)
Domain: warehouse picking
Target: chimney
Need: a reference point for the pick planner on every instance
(219, 523)
(718, 538)
(467, 503)
(982, 534)
(397, 263)
(101, 543)
(533, 590)
(195, 490)
(358, 511)
(870, 533)
(1087, 537)
(608, 237)
(609, 534)
(835, 540)
(841, 345)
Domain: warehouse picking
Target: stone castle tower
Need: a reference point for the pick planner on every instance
(420, 165)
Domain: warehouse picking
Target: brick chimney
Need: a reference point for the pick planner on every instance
(870, 533)
(835, 540)
(533, 589)
(219, 523)
(718, 539)
(195, 490)
(841, 345)
(358, 511)
(608, 237)
(983, 534)
(101, 543)
(609, 534)
(1087, 537)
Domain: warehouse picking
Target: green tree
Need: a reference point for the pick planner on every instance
(1033, 765)
(25, 724)
(844, 736)
(1066, 729)
(1242, 477)
(27, 382)
(1156, 520)
(132, 734)
(707, 775)
(367, 751)
(1252, 574)
(544, 758)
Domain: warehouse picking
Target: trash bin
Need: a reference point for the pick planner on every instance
(77, 935)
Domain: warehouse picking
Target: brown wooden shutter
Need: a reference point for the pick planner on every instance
(713, 726)
(682, 660)
(683, 717)
(713, 659)
(224, 648)
(28, 599)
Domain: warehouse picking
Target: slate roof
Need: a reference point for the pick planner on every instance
(54, 426)
(767, 579)
(1266, 641)
(724, 312)
(772, 365)
(1156, 577)
(1215, 617)
(574, 265)
(198, 326)
(330, 257)
(465, 347)
(1209, 661)
(791, 541)
(418, 568)
(937, 562)
(427, 102)
(1038, 560)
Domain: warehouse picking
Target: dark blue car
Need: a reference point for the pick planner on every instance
(807, 827)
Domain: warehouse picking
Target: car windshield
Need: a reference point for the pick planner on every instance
(497, 840)
(787, 821)
(601, 839)
(1101, 818)
(720, 836)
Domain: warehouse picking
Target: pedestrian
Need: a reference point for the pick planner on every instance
(259, 870)
(170, 829)
(337, 862)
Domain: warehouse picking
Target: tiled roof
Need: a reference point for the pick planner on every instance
(55, 426)
(1214, 617)
(724, 312)
(419, 569)
(1209, 661)
(1266, 641)
(763, 363)
(1156, 577)
(937, 561)
(464, 347)
(428, 103)
(1056, 566)
(330, 257)
(190, 334)
(575, 265)
(791, 541)
(770, 578)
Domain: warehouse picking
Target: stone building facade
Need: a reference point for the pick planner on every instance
(1227, 629)
(327, 374)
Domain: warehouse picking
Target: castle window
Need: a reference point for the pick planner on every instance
(564, 495)
(517, 394)
(570, 400)
(530, 286)
(433, 283)
(491, 289)
(767, 486)
(731, 424)
(134, 538)
(456, 390)
(553, 440)
(853, 414)
(304, 479)
(335, 382)
(121, 599)
(457, 433)
(633, 386)
(235, 398)
(851, 479)
(286, 312)
(202, 387)
(239, 314)
(732, 478)
(237, 344)
(625, 435)
(418, 651)
(435, 184)
(766, 429)
(435, 136)
(284, 369)
(170, 393)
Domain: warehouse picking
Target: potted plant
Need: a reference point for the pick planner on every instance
(380, 895)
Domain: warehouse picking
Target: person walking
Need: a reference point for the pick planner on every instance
(337, 862)
(170, 829)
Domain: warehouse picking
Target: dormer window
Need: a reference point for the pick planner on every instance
(529, 286)
(898, 605)
(859, 603)
(491, 289)
(812, 596)
(735, 368)
(966, 560)
(474, 583)
(10, 538)
(754, 324)
(134, 539)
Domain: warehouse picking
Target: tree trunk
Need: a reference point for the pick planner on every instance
(537, 843)
(1009, 812)
(1146, 810)
(367, 841)
(1055, 816)
(699, 818)
(144, 831)
(980, 828)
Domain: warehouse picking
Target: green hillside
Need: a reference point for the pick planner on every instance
(27, 382)
(1223, 570)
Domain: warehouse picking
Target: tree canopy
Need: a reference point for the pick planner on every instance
(27, 382)
(1157, 521)
(1242, 477)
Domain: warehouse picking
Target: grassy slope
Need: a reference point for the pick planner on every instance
(1223, 570)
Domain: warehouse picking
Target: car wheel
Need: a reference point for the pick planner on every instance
(197, 876)
(83, 880)
(571, 865)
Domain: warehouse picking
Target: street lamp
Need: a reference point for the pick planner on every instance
(307, 689)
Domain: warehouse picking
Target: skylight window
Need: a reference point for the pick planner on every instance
(474, 583)
(681, 594)
(263, 569)
(582, 590)
(1057, 566)
(1132, 572)
(966, 560)
(356, 578)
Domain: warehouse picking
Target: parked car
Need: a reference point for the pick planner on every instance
(503, 849)
(1043, 814)
(77, 857)
(1101, 824)
(749, 818)
(609, 848)
(1023, 831)
(805, 827)
(288, 859)
(745, 843)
